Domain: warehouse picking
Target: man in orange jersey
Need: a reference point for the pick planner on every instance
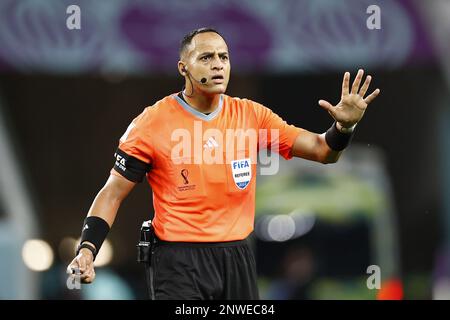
(197, 150)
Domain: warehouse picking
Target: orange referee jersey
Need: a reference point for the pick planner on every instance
(202, 168)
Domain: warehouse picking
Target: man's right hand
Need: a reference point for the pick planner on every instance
(107, 201)
(83, 265)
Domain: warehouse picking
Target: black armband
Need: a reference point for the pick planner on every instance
(337, 140)
(130, 167)
(95, 230)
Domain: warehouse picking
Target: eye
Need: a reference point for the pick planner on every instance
(225, 58)
(205, 58)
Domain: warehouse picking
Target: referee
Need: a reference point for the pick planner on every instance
(197, 148)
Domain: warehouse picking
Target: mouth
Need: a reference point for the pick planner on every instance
(217, 79)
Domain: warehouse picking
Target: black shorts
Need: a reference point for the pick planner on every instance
(203, 271)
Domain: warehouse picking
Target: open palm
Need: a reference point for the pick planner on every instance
(352, 106)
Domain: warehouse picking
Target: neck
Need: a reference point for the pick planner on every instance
(202, 103)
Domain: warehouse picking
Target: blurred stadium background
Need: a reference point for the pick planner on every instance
(66, 96)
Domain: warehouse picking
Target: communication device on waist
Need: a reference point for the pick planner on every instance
(147, 238)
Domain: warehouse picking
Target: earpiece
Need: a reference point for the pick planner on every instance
(185, 72)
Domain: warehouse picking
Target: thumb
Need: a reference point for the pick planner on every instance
(71, 268)
(327, 106)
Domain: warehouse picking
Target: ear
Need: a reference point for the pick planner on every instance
(182, 68)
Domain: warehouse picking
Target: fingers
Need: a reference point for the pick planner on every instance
(82, 263)
(345, 83)
(82, 267)
(88, 276)
(372, 96)
(356, 85)
(327, 106)
(365, 86)
(357, 81)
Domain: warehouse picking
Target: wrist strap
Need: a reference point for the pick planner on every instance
(88, 246)
(347, 130)
(336, 139)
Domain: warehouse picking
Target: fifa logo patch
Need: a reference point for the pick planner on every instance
(242, 172)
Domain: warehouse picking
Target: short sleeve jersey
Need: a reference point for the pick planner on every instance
(202, 168)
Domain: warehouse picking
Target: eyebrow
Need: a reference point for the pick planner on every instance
(203, 54)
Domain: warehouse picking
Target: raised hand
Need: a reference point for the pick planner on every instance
(352, 106)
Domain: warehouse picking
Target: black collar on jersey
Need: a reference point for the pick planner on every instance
(182, 98)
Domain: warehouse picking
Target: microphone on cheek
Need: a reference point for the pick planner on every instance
(202, 80)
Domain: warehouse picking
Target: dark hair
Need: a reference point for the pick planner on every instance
(187, 39)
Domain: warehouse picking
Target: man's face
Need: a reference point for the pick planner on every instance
(207, 57)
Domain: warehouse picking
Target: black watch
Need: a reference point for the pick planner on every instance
(88, 246)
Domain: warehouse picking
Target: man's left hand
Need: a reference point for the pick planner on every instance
(352, 106)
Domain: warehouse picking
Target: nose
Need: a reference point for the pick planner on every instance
(216, 63)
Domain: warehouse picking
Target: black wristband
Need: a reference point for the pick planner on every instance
(95, 230)
(337, 140)
(87, 246)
